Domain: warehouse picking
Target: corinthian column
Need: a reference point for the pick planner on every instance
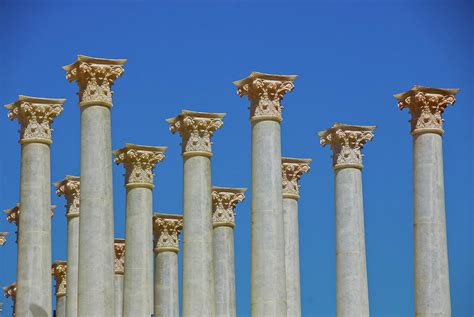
(196, 129)
(346, 141)
(59, 269)
(166, 230)
(69, 187)
(95, 77)
(426, 105)
(119, 248)
(292, 169)
(10, 291)
(268, 282)
(35, 116)
(139, 162)
(224, 201)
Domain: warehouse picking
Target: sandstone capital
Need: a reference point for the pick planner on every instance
(224, 201)
(119, 247)
(70, 188)
(292, 170)
(59, 271)
(3, 238)
(10, 291)
(167, 228)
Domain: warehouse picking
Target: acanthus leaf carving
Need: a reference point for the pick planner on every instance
(292, 170)
(167, 229)
(59, 271)
(119, 262)
(70, 188)
(224, 201)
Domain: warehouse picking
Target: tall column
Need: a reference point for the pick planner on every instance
(224, 201)
(10, 291)
(35, 116)
(268, 283)
(69, 187)
(196, 129)
(426, 105)
(119, 247)
(95, 77)
(139, 162)
(166, 228)
(59, 269)
(346, 141)
(292, 170)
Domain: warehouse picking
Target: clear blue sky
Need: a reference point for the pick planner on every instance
(351, 57)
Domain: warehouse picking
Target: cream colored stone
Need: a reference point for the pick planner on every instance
(3, 238)
(292, 169)
(119, 249)
(59, 271)
(224, 201)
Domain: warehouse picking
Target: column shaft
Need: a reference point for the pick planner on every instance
(139, 248)
(96, 239)
(166, 284)
(72, 265)
(198, 272)
(34, 236)
(118, 294)
(224, 271)
(292, 256)
(268, 282)
(432, 296)
(351, 272)
(61, 306)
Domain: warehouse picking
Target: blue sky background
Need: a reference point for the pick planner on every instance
(351, 57)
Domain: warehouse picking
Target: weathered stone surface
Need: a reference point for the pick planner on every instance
(119, 249)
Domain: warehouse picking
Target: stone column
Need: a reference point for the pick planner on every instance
(346, 141)
(224, 201)
(166, 228)
(119, 247)
(139, 162)
(10, 291)
(69, 187)
(196, 129)
(35, 116)
(95, 77)
(3, 238)
(426, 105)
(268, 282)
(292, 169)
(59, 269)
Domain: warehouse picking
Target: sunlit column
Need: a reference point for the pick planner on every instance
(59, 271)
(119, 248)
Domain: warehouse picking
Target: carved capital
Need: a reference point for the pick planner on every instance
(13, 214)
(224, 201)
(139, 162)
(346, 142)
(426, 106)
(196, 130)
(3, 238)
(59, 271)
(10, 291)
(70, 188)
(35, 116)
(265, 93)
(95, 77)
(292, 169)
(167, 228)
(119, 247)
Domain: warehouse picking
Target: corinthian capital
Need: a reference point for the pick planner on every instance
(139, 162)
(167, 228)
(35, 116)
(3, 238)
(265, 93)
(196, 129)
(224, 201)
(346, 142)
(13, 214)
(119, 247)
(10, 291)
(95, 77)
(70, 188)
(292, 169)
(426, 106)
(59, 269)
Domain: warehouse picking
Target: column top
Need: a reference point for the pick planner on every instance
(166, 228)
(426, 106)
(13, 214)
(265, 92)
(346, 142)
(139, 162)
(119, 247)
(35, 116)
(10, 291)
(70, 188)
(224, 201)
(95, 77)
(59, 271)
(3, 238)
(196, 129)
(292, 170)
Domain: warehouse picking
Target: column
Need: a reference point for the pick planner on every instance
(224, 201)
(95, 77)
(346, 142)
(59, 269)
(139, 162)
(268, 283)
(69, 187)
(119, 247)
(3, 238)
(426, 105)
(10, 291)
(35, 116)
(13, 215)
(292, 170)
(166, 228)
(1, 309)
(196, 129)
